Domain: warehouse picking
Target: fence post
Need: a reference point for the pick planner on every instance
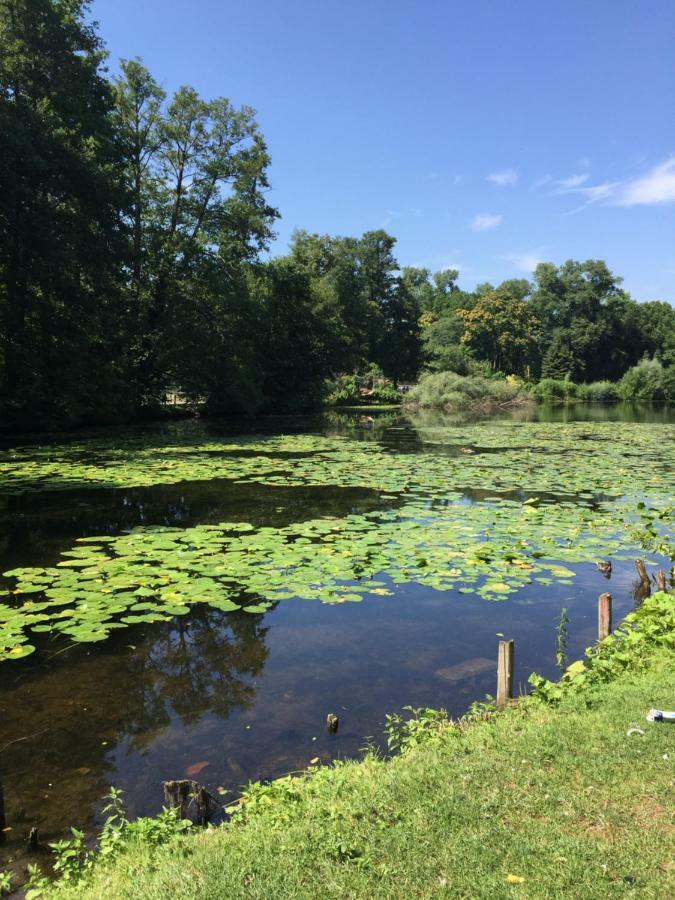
(504, 673)
(604, 616)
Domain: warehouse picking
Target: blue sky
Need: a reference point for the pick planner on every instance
(484, 136)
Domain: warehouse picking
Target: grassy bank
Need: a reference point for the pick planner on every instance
(548, 799)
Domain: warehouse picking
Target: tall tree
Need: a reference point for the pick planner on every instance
(197, 173)
(504, 330)
(60, 228)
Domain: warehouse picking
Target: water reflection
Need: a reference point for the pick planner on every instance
(65, 722)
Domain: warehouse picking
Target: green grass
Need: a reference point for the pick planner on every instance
(557, 795)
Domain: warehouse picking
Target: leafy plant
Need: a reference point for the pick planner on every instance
(423, 725)
(37, 884)
(6, 882)
(554, 390)
(71, 855)
(651, 625)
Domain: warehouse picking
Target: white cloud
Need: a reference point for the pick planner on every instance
(657, 186)
(574, 181)
(524, 262)
(485, 221)
(505, 178)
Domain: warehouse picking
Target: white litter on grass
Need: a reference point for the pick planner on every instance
(660, 715)
(634, 730)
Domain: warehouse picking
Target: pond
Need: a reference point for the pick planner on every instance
(192, 599)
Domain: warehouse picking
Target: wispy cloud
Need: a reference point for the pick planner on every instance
(540, 182)
(505, 178)
(485, 221)
(389, 216)
(569, 184)
(657, 186)
(524, 262)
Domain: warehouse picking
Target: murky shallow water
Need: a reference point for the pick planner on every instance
(243, 696)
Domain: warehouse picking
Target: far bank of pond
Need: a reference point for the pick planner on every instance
(199, 595)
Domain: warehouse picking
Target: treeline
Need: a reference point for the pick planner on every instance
(133, 235)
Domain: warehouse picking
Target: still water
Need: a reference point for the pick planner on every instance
(229, 697)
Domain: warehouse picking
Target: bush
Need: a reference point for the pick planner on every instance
(345, 390)
(554, 390)
(648, 381)
(598, 392)
(456, 393)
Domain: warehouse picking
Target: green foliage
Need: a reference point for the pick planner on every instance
(650, 626)
(648, 381)
(551, 390)
(346, 390)
(6, 879)
(503, 329)
(420, 726)
(598, 392)
(73, 858)
(452, 392)
(654, 533)
(61, 210)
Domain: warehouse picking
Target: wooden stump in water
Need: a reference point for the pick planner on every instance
(33, 840)
(183, 794)
(661, 584)
(642, 572)
(332, 723)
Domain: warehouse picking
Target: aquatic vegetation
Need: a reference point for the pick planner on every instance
(483, 508)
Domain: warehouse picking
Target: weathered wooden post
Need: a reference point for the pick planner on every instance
(661, 584)
(642, 572)
(504, 673)
(604, 616)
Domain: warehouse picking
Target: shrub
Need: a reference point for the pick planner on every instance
(598, 392)
(454, 393)
(345, 390)
(648, 381)
(554, 390)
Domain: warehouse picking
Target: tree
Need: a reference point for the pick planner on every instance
(504, 330)
(197, 172)
(584, 310)
(61, 234)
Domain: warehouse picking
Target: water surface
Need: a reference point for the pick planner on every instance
(243, 695)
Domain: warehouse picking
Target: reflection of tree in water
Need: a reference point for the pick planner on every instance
(199, 665)
(64, 721)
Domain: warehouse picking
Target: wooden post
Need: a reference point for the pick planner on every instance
(642, 572)
(504, 673)
(661, 584)
(604, 616)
